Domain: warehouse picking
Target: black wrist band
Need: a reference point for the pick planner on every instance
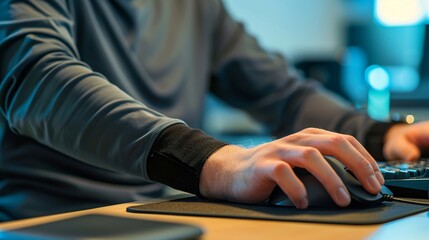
(178, 155)
(374, 141)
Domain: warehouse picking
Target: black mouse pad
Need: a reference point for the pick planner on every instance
(99, 226)
(194, 206)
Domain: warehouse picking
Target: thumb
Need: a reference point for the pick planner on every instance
(402, 150)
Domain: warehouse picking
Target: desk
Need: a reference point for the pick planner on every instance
(225, 228)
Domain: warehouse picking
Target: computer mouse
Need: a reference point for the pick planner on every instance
(319, 197)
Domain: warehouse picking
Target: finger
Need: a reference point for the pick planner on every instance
(350, 138)
(357, 145)
(290, 184)
(420, 135)
(402, 150)
(312, 160)
(338, 146)
(367, 156)
(361, 167)
(312, 130)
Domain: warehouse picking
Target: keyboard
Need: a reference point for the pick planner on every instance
(409, 180)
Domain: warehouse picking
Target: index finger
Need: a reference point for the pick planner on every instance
(357, 145)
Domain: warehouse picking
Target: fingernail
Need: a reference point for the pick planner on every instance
(373, 182)
(379, 177)
(302, 204)
(342, 196)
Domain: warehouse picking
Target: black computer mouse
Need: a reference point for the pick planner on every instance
(319, 197)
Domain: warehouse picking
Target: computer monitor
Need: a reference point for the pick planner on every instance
(419, 97)
(424, 64)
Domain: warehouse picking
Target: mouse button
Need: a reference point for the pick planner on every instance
(360, 195)
(339, 168)
(334, 162)
(316, 193)
(345, 175)
(356, 190)
(368, 199)
(352, 184)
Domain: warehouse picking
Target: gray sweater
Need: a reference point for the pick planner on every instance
(86, 88)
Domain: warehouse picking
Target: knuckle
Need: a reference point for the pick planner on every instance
(293, 137)
(280, 169)
(309, 130)
(338, 140)
(309, 152)
(350, 138)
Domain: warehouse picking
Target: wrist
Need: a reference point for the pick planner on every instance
(216, 175)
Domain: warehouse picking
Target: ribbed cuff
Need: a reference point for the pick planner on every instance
(374, 140)
(178, 155)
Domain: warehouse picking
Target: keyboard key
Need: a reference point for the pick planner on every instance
(407, 179)
(413, 173)
(425, 173)
(402, 174)
(388, 174)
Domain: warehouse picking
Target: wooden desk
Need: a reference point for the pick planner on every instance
(225, 228)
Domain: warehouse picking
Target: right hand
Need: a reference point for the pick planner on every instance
(249, 175)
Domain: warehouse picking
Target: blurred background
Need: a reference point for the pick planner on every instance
(375, 53)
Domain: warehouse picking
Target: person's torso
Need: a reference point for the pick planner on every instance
(156, 51)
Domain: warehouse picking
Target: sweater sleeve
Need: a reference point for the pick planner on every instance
(47, 93)
(178, 155)
(248, 77)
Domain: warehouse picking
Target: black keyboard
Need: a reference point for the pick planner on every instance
(409, 180)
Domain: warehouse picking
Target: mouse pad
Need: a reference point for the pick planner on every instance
(194, 206)
(99, 226)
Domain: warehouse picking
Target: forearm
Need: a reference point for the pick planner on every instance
(51, 96)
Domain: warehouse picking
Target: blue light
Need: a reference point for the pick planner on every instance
(378, 78)
(379, 104)
(403, 78)
(379, 94)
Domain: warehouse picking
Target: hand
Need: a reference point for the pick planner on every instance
(404, 142)
(249, 175)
